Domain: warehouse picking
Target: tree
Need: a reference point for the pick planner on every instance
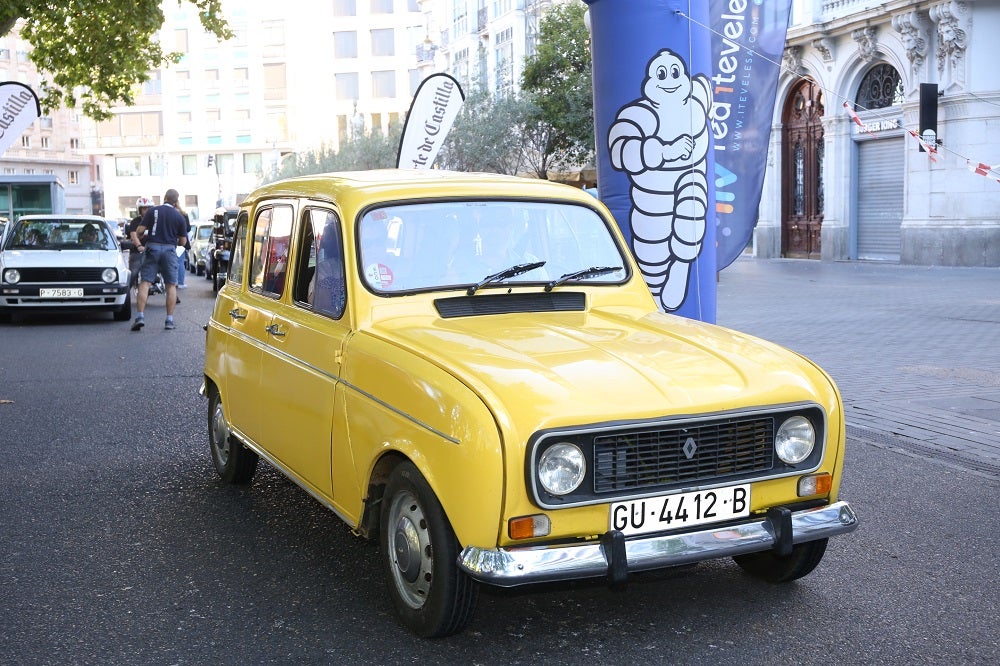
(95, 52)
(374, 150)
(488, 135)
(557, 79)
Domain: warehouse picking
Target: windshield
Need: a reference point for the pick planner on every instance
(204, 233)
(59, 234)
(460, 244)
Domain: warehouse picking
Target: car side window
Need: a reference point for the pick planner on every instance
(239, 249)
(269, 252)
(320, 280)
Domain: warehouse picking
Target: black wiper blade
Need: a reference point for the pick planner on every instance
(593, 271)
(513, 271)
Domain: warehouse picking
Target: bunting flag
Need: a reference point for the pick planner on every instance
(857, 120)
(981, 169)
(931, 150)
(432, 113)
(19, 108)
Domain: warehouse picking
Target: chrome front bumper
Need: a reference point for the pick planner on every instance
(508, 567)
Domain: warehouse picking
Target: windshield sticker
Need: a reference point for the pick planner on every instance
(379, 275)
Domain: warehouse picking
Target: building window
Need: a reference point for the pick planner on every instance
(346, 85)
(384, 84)
(382, 6)
(382, 42)
(74, 144)
(183, 80)
(157, 165)
(212, 79)
(345, 44)
(243, 138)
(45, 142)
(345, 8)
(181, 40)
(241, 78)
(189, 165)
(25, 141)
(503, 52)
(73, 177)
(274, 81)
(128, 166)
(880, 88)
(214, 140)
(252, 163)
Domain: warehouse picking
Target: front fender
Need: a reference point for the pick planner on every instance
(399, 402)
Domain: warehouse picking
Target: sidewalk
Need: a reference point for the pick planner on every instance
(915, 350)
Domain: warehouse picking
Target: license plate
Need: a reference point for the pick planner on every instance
(671, 512)
(60, 293)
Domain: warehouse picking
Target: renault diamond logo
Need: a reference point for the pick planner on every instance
(690, 446)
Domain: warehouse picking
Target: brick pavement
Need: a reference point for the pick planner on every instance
(915, 350)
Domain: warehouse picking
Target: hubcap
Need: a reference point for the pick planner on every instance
(410, 549)
(220, 436)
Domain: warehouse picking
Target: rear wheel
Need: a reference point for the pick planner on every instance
(234, 462)
(433, 597)
(776, 569)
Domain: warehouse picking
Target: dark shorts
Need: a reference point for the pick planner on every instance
(160, 259)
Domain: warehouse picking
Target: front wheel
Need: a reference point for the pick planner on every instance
(234, 462)
(433, 597)
(124, 313)
(776, 569)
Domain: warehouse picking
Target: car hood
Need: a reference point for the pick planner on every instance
(59, 258)
(557, 368)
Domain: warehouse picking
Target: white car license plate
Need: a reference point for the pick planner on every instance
(671, 512)
(60, 293)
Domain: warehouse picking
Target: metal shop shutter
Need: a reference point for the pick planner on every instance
(880, 198)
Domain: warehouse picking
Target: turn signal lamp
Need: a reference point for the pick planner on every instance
(527, 527)
(815, 484)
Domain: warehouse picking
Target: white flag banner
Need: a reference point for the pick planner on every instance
(432, 113)
(18, 109)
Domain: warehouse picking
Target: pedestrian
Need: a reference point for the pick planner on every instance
(142, 204)
(182, 249)
(167, 229)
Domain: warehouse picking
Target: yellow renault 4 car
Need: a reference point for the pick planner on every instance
(470, 368)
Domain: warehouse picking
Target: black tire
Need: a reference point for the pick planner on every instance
(773, 568)
(124, 313)
(234, 462)
(432, 596)
(200, 270)
(217, 282)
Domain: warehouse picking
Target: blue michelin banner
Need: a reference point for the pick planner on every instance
(652, 105)
(748, 38)
(683, 97)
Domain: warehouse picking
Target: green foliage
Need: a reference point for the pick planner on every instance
(95, 52)
(487, 135)
(371, 151)
(557, 79)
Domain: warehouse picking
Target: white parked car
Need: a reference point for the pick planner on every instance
(63, 262)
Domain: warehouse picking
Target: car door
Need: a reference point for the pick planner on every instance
(300, 368)
(249, 313)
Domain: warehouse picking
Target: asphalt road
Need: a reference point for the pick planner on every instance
(119, 546)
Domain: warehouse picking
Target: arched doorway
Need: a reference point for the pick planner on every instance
(802, 171)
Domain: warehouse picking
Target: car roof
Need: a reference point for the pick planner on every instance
(42, 217)
(395, 184)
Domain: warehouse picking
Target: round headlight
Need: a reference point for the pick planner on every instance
(795, 439)
(561, 468)
(109, 275)
(12, 275)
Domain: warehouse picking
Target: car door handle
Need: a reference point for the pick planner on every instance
(275, 330)
(236, 313)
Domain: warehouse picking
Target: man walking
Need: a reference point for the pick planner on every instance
(167, 229)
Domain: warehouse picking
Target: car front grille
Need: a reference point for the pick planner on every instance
(61, 274)
(682, 455)
(660, 456)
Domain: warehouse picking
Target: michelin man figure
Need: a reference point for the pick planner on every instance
(661, 141)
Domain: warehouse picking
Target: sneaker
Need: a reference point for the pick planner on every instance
(170, 325)
(138, 324)
(182, 286)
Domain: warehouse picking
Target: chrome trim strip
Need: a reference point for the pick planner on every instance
(509, 567)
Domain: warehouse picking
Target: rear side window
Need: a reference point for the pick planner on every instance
(269, 250)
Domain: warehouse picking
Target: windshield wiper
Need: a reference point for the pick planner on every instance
(593, 271)
(513, 271)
